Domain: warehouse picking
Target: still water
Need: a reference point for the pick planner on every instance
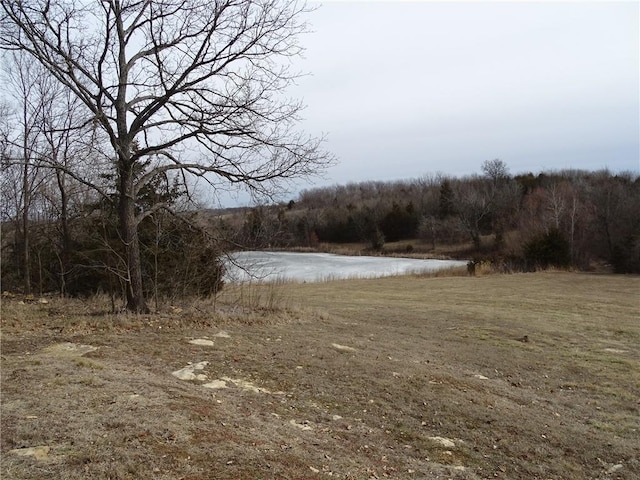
(314, 267)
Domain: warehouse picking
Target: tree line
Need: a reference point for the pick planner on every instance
(525, 221)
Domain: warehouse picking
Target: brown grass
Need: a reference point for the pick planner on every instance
(562, 405)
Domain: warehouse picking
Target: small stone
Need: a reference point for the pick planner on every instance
(222, 334)
(202, 342)
(343, 348)
(615, 468)
(445, 442)
(480, 377)
(301, 426)
(184, 374)
(314, 470)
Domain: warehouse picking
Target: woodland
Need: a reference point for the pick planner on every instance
(566, 219)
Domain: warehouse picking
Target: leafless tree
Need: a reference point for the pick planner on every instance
(194, 86)
(496, 170)
(21, 155)
(67, 147)
(473, 205)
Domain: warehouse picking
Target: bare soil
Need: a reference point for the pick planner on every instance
(527, 376)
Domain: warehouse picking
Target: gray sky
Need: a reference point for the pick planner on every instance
(404, 89)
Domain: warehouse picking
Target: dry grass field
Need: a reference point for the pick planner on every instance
(525, 376)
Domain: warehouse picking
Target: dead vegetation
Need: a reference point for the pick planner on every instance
(528, 376)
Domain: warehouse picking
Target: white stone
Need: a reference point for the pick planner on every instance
(614, 350)
(615, 468)
(245, 385)
(445, 442)
(184, 374)
(301, 426)
(216, 384)
(343, 348)
(39, 453)
(71, 349)
(187, 373)
(202, 342)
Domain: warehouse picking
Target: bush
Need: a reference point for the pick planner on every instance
(626, 256)
(179, 260)
(550, 249)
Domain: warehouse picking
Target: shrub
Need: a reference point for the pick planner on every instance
(626, 256)
(547, 250)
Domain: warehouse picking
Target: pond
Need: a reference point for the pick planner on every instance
(315, 267)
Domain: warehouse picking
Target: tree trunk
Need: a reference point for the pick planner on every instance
(129, 236)
(475, 237)
(26, 201)
(65, 241)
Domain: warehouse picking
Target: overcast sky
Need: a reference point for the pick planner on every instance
(404, 89)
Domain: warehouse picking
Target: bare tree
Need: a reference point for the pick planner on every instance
(194, 86)
(504, 198)
(496, 170)
(473, 206)
(66, 144)
(23, 138)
